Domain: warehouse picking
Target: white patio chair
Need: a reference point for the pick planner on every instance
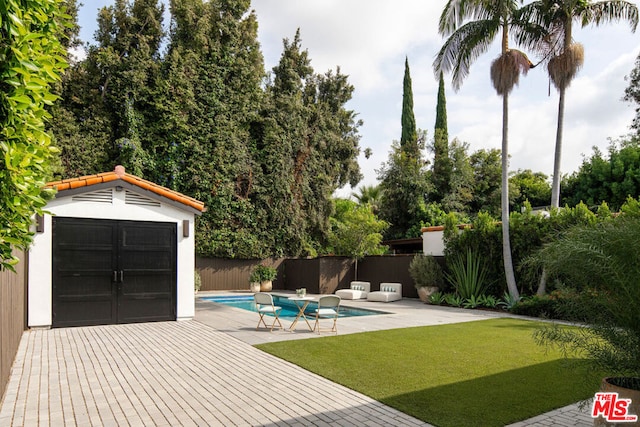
(328, 308)
(264, 305)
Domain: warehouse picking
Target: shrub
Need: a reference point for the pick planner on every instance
(425, 271)
(528, 232)
(262, 273)
(537, 306)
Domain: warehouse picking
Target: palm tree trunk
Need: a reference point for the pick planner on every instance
(542, 285)
(506, 241)
(555, 186)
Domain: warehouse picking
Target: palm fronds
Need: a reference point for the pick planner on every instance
(564, 67)
(463, 47)
(506, 69)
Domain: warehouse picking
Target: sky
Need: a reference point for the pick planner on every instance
(370, 39)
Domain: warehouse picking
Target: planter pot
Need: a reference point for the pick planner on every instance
(617, 385)
(425, 292)
(254, 287)
(266, 286)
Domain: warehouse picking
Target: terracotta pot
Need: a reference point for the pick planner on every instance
(425, 292)
(608, 386)
(266, 286)
(254, 287)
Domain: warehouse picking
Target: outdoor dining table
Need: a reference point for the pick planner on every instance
(301, 303)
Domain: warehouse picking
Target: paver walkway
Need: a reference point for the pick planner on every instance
(172, 374)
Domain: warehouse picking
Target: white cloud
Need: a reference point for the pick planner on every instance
(359, 35)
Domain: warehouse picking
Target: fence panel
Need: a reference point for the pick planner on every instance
(322, 275)
(12, 317)
(220, 274)
(318, 275)
(388, 268)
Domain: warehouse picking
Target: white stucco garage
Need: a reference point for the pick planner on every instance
(115, 248)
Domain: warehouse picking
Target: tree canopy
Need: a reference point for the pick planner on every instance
(194, 110)
(611, 178)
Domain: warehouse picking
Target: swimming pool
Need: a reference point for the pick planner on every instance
(289, 308)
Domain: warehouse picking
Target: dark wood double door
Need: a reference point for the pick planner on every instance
(108, 271)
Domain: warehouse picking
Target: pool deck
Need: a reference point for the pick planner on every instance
(241, 324)
(204, 373)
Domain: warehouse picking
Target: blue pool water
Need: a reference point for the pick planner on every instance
(289, 309)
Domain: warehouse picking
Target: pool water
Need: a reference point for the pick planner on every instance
(289, 308)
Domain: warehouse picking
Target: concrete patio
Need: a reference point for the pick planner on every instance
(203, 372)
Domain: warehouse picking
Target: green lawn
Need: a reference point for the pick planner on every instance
(485, 373)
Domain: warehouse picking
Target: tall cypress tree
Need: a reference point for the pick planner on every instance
(402, 178)
(409, 139)
(441, 161)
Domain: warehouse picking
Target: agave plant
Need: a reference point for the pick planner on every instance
(472, 302)
(468, 275)
(488, 301)
(436, 298)
(453, 300)
(508, 301)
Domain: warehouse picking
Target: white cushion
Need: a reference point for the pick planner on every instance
(268, 309)
(388, 292)
(326, 312)
(351, 294)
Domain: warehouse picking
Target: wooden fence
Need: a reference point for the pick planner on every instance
(233, 274)
(321, 275)
(12, 317)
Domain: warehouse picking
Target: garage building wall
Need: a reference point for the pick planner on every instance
(40, 259)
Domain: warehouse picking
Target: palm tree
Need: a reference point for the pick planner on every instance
(369, 195)
(465, 43)
(565, 56)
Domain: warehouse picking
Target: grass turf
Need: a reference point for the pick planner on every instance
(483, 373)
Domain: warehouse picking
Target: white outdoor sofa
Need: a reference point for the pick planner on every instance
(357, 290)
(388, 292)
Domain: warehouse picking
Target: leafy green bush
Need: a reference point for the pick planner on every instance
(538, 306)
(262, 273)
(528, 232)
(426, 271)
(32, 62)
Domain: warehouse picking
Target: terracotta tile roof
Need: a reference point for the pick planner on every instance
(119, 173)
(441, 228)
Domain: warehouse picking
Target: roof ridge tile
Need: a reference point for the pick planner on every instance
(120, 173)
